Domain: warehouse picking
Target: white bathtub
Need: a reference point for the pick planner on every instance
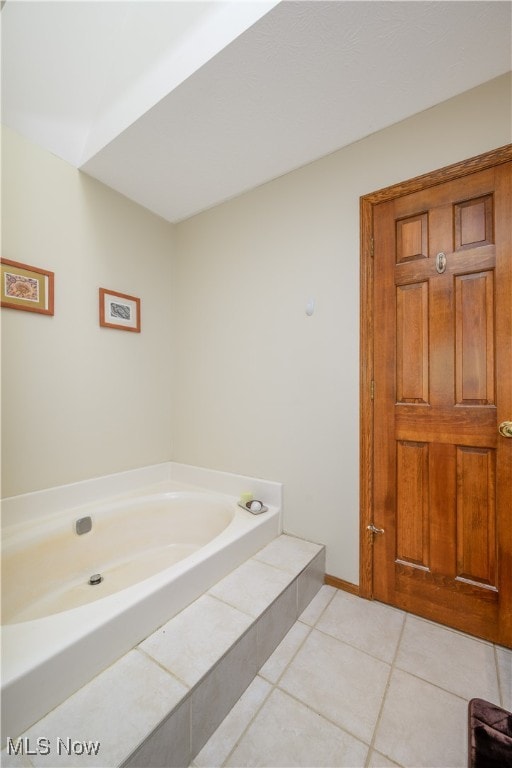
(157, 548)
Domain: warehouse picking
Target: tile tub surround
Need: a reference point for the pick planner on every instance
(160, 703)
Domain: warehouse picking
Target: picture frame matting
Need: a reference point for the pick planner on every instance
(119, 310)
(25, 287)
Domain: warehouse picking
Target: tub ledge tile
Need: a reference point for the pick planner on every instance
(289, 553)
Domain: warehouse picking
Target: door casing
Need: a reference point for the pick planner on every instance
(367, 203)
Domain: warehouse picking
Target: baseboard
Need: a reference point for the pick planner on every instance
(346, 586)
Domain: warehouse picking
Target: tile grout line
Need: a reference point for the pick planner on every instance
(454, 631)
(354, 646)
(433, 685)
(294, 580)
(235, 607)
(323, 716)
(384, 696)
(302, 703)
(275, 685)
(159, 664)
(292, 658)
(310, 627)
(305, 704)
(256, 712)
(392, 667)
(194, 686)
(427, 680)
(293, 577)
(285, 570)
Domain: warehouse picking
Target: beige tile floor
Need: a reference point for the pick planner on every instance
(359, 684)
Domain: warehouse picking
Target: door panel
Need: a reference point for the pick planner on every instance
(474, 339)
(442, 355)
(476, 516)
(412, 539)
(412, 343)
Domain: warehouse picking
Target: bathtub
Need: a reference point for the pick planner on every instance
(156, 548)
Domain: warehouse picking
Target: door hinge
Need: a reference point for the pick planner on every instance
(372, 389)
(372, 247)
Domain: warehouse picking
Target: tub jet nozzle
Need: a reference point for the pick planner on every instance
(83, 525)
(96, 578)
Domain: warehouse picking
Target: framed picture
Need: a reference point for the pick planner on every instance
(27, 288)
(118, 310)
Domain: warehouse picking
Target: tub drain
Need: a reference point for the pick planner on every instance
(96, 578)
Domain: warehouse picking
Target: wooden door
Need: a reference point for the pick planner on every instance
(442, 373)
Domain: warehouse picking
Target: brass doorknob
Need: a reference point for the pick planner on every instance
(373, 528)
(505, 428)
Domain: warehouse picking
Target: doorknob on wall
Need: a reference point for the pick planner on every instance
(505, 428)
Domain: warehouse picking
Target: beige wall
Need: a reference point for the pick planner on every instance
(78, 400)
(229, 372)
(259, 387)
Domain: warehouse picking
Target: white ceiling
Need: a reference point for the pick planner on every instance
(182, 105)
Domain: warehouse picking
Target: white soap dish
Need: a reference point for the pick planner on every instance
(259, 507)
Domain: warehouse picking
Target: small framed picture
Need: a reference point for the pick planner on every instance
(27, 288)
(118, 310)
